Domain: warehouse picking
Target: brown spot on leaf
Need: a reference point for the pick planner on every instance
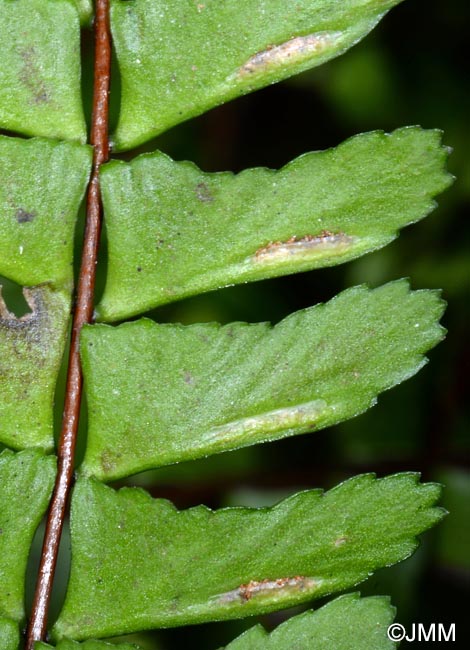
(30, 75)
(340, 541)
(23, 216)
(108, 461)
(188, 378)
(203, 193)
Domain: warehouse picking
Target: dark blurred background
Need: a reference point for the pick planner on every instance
(413, 69)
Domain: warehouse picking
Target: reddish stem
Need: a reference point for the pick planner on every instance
(82, 314)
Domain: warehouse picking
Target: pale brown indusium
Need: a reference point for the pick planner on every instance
(83, 313)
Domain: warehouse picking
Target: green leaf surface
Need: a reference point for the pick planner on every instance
(346, 623)
(176, 231)
(43, 183)
(138, 563)
(9, 633)
(31, 350)
(26, 481)
(85, 10)
(66, 644)
(40, 91)
(178, 60)
(159, 394)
